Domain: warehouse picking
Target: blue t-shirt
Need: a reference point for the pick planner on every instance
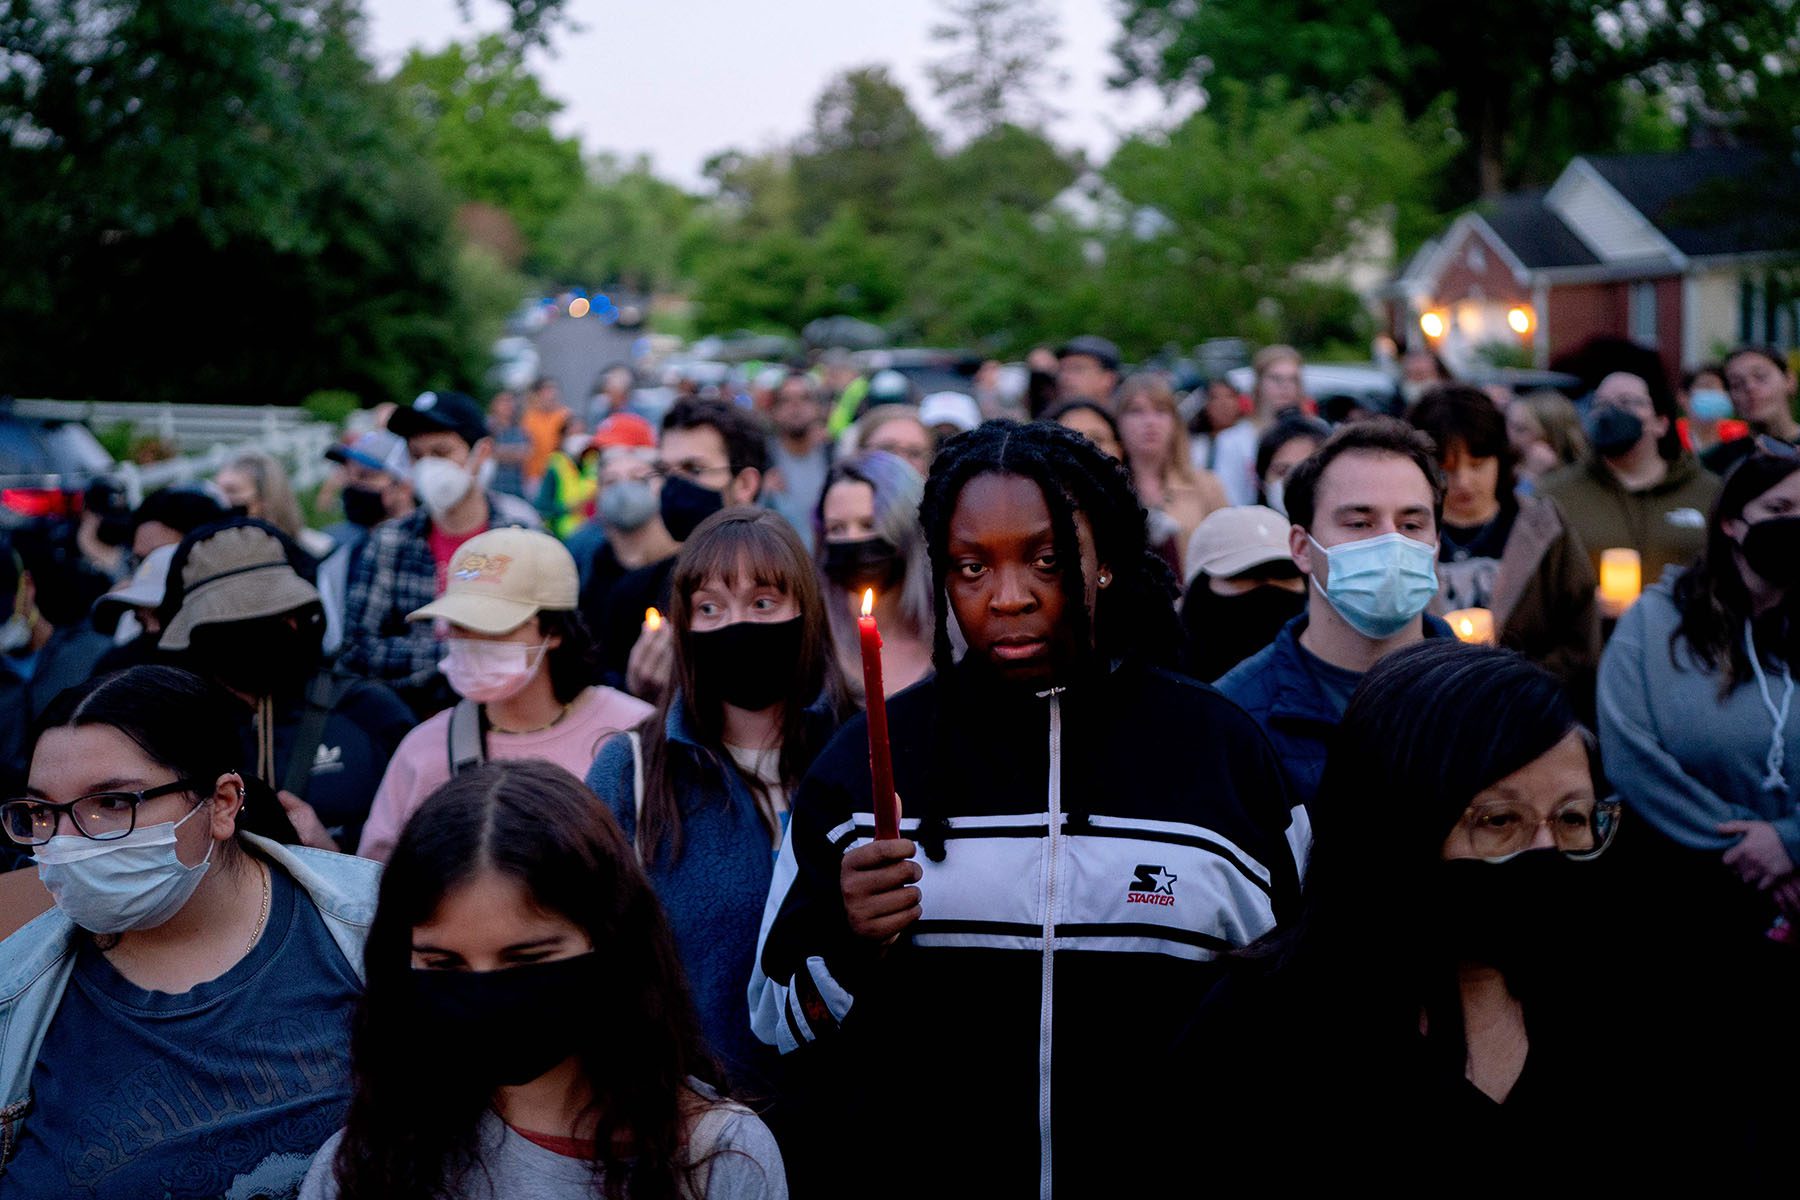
(226, 1090)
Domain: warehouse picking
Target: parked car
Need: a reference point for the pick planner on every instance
(45, 466)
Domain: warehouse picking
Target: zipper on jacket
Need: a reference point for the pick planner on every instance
(1046, 1013)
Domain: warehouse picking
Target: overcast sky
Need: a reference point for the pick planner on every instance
(682, 79)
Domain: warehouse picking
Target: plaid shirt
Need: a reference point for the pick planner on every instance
(396, 575)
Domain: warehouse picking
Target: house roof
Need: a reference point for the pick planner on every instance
(1533, 232)
(1707, 202)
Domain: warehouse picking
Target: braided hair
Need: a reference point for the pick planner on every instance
(1136, 617)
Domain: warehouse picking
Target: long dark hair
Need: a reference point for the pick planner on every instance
(180, 721)
(1711, 595)
(1429, 728)
(412, 1128)
(759, 544)
(1455, 412)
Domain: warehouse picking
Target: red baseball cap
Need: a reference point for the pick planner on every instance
(624, 429)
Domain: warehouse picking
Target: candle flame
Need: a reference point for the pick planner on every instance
(868, 601)
(652, 619)
(1466, 627)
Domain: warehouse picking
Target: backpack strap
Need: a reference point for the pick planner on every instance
(468, 737)
(324, 692)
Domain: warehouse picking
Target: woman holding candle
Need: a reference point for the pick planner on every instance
(1513, 556)
(1698, 726)
(1083, 833)
(869, 538)
(702, 790)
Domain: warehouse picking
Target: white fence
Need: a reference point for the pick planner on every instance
(207, 435)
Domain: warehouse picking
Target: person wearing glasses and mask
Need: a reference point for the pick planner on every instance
(1638, 489)
(519, 657)
(178, 1024)
(1365, 508)
(713, 456)
(1451, 1002)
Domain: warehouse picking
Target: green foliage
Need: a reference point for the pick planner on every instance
(1528, 83)
(489, 290)
(997, 63)
(624, 228)
(485, 122)
(331, 406)
(867, 149)
(116, 439)
(209, 202)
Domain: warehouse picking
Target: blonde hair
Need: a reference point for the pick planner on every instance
(1154, 387)
(273, 490)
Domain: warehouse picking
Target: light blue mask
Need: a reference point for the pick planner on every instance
(1710, 404)
(133, 882)
(1380, 583)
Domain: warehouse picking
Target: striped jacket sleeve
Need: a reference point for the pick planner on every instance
(808, 963)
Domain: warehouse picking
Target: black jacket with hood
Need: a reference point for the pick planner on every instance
(1087, 854)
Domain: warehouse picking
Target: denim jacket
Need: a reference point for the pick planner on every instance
(36, 962)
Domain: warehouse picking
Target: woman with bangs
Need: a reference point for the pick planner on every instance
(1178, 494)
(869, 539)
(701, 788)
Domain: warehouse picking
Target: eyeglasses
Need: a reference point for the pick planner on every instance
(1580, 829)
(693, 472)
(102, 816)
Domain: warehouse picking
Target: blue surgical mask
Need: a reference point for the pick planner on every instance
(133, 882)
(1379, 584)
(1710, 404)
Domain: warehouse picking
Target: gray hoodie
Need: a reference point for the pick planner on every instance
(1680, 756)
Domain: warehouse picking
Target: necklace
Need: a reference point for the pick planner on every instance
(550, 724)
(264, 916)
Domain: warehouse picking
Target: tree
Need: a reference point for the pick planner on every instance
(209, 202)
(626, 227)
(997, 64)
(1529, 83)
(867, 148)
(485, 121)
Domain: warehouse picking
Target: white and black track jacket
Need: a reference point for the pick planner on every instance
(1087, 855)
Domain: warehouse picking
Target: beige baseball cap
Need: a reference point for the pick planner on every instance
(1232, 540)
(500, 579)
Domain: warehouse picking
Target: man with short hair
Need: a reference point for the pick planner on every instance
(1365, 509)
(377, 487)
(627, 530)
(713, 456)
(1087, 368)
(402, 566)
(799, 454)
(546, 421)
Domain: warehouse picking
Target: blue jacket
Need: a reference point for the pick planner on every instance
(38, 960)
(715, 891)
(1277, 688)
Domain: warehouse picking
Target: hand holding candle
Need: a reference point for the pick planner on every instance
(881, 767)
(652, 620)
(1621, 579)
(1472, 625)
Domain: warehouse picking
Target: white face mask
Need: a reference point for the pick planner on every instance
(488, 671)
(441, 484)
(133, 882)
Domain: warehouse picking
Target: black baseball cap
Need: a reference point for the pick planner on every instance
(1097, 348)
(441, 412)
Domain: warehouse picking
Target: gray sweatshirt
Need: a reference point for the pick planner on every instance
(1681, 757)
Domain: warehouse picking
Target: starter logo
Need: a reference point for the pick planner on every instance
(1153, 885)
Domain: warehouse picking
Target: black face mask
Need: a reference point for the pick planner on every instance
(508, 1027)
(685, 504)
(364, 506)
(1613, 431)
(747, 664)
(1225, 630)
(865, 563)
(1772, 549)
(1525, 917)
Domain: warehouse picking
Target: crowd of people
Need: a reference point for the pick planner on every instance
(1281, 791)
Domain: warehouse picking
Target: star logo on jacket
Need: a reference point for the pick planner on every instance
(1153, 885)
(482, 568)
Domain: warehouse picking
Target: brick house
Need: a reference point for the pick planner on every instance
(1689, 253)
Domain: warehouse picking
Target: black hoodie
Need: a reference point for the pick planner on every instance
(1167, 849)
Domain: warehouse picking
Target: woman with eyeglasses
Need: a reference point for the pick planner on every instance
(1702, 736)
(178, 1025)
(1439, 1010)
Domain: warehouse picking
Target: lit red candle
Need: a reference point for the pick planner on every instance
(881, 766)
